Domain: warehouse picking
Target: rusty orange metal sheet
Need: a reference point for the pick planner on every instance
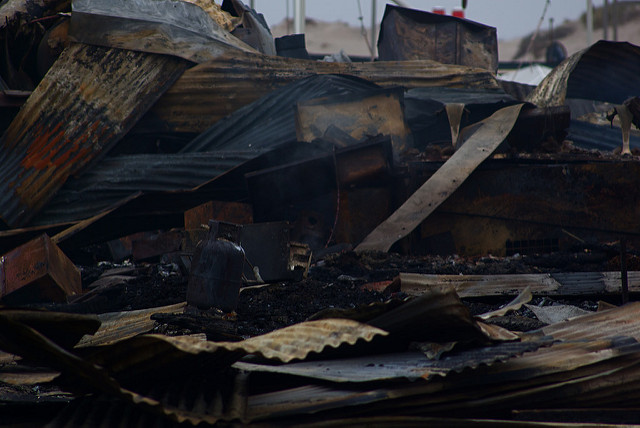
(89, 99)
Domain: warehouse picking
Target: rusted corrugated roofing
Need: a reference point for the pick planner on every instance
(210, 91)
(88, 100)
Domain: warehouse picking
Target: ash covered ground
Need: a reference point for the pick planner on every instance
(338, 281)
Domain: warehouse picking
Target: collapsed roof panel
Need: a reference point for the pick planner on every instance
(89, 99)
(271, 120)
(210, 91)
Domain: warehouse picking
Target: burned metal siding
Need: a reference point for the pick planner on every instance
(410, 34)
(118, 177)
(271, 120)
(210, 91)
(89, 99)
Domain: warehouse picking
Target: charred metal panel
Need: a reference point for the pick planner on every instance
(268, 247)
(398, 366)
(115, 178)
(360, 116)
(312, 192)
(271, 120)
(481, 141)
(213, 90)
(167, 27)
(606, 71)
(507, 200)
(409, 34)
(598, 137)
(89, 99)
(230, 212)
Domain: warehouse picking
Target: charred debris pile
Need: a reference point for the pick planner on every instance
(201, 225)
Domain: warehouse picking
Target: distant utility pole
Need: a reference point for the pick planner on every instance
(589, 22)
(298, 16)
(373, 29)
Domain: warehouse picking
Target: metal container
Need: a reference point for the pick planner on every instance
(216, 272)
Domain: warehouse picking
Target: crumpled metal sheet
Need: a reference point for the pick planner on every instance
(211, 91)
(117, 326)
(623, 321)
(167, 27)
(480, 144)
(520, 382)
(88, 100)
(546, 284)
(524, 297)
(606, 71)
(399, 366)
(148, 352)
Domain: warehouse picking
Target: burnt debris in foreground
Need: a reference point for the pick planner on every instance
(197, 231)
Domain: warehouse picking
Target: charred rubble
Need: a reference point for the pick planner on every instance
(202, 226)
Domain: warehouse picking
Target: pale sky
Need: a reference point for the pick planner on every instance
(512, 18)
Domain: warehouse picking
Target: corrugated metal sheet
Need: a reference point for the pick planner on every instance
(271, 119)
(210, 91)
(118, 326)
(88, 100)
(251, 131)
(116, 178)
(401, 366)
(624, 321)
(147, 353)
(606, 71)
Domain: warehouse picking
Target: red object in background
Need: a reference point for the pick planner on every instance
(438, 10)
(458, 12)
